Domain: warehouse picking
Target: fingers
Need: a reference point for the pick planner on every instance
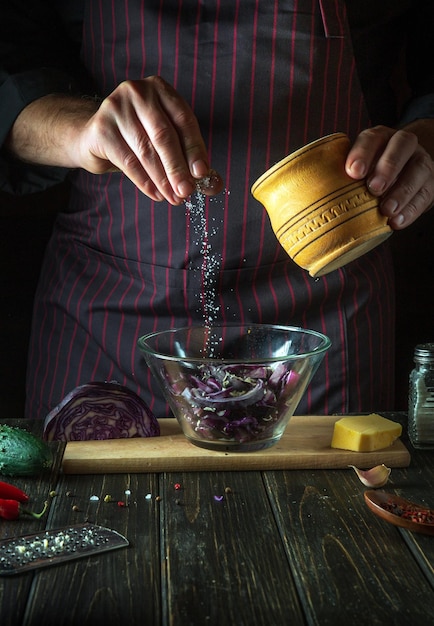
(146, 130)
(413, 192)
(365, 151)
(397, 169)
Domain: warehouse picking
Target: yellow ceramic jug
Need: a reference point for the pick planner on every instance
(323, 218)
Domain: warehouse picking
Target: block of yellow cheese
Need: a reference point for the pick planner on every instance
(365, 433)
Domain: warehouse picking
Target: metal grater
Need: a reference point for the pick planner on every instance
(51, 547)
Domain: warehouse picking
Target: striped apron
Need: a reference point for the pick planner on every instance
(263, 78)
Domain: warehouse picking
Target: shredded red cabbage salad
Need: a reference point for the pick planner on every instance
(233, 402)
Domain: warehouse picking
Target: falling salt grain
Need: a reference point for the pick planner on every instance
(211, 262)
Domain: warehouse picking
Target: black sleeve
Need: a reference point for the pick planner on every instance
(37, 57)
(420, 63)
(392, 42)
(418, 108)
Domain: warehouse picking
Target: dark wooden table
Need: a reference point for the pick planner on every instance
(280, 547)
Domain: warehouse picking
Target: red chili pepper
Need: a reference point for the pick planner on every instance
(12, 509)
(10, 491)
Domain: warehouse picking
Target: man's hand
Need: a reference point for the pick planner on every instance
(398, 169)
(143, 128)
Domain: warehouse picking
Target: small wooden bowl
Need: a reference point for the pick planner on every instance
(323, 218)
(381, 503)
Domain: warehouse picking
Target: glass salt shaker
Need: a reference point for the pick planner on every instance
(421, 397)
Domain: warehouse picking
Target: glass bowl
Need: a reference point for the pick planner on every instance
(234, 388)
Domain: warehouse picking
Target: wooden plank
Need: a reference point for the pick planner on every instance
(422, 492)
(349, 566)
(225, 560)
(304, 445)
(14, 591)
(119, 587)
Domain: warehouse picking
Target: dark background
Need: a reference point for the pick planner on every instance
(26, 224)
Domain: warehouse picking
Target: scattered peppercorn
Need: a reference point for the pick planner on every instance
(412, 513)
(75, 508)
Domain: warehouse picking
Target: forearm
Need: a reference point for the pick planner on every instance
(46, 130)
(144, 129)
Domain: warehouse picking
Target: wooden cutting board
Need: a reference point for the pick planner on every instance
(304, 445)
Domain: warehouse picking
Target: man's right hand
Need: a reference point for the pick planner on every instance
(144, 128)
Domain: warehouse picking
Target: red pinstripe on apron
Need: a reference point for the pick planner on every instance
(263, 77)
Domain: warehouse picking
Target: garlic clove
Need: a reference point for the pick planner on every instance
(374, 477)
